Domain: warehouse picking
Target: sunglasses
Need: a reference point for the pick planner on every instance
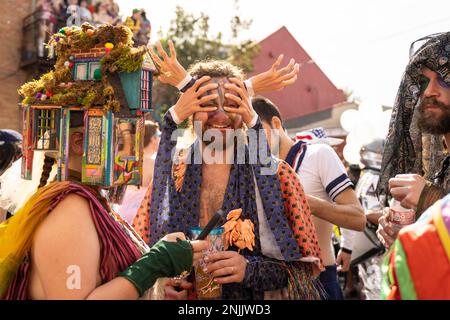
(424, 82)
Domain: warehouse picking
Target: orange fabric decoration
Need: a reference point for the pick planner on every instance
(179, 170)
(237, 232)
(426, 256)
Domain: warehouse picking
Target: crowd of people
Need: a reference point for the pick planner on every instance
(94, 11)
(54, 14)
(278, 198)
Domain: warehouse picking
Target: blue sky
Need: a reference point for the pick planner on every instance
(361, 45)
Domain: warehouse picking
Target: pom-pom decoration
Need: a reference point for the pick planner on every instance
(44, 97)
(108, 47)
(38, 95)
(67, 64)
(62, 30)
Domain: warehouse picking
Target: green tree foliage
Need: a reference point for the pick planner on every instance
(194, 42)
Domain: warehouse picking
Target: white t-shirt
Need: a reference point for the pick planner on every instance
(366, 190)
(322, 175)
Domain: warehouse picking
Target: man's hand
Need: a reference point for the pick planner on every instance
(171, 71)
(407, 188)
(190, 101)
(386, 231)
(226, 266)
(171, 293)
(245, 108)
(275, 79)
(343, 261)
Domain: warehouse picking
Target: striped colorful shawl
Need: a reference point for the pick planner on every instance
(418, 266)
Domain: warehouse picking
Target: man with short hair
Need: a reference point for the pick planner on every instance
(327, 186)
(412, 170)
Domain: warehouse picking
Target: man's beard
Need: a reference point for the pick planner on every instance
(431, 123)
(226, 140)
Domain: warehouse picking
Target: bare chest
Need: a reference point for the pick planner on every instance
(212, 193)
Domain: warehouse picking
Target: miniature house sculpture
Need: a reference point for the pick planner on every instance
(99, 74)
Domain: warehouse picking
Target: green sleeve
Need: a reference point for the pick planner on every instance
(165, 259)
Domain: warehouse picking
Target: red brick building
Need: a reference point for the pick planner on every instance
(313, 100)
(12, 76)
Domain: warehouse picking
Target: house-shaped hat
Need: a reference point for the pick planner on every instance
(100, 79)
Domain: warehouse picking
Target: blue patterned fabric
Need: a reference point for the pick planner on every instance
(319, 133)
(296, 155)
(173, 211)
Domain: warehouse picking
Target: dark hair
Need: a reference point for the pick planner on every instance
(150, 130)
(266, 109)
(76, 119)
(10, 149)
(46, 169)
(215, 69)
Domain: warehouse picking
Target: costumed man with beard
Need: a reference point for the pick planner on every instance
(219, 174)
(418, 263)
(414, 169)
(154, 213)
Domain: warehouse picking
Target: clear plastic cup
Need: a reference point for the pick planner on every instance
(205, 286)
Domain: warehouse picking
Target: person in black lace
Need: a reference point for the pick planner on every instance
(414, 170)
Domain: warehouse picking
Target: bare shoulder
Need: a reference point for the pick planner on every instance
(70, 221)
(72, 208)
(66, 238)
